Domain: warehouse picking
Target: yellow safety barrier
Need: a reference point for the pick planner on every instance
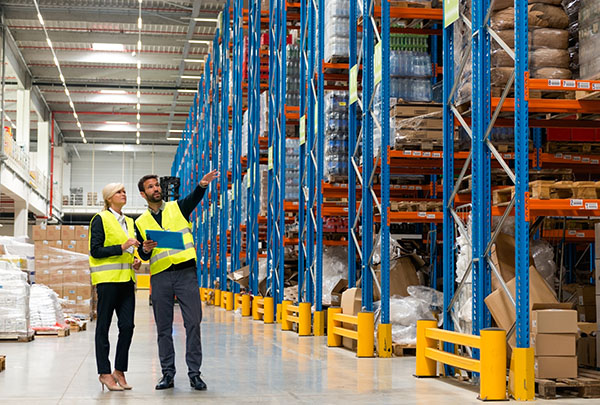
(237, 301)
(217, 302)
(492, 350)
(364, 333)
(246, 305)
(257, 308)
(303, 319)
(142, 281)
(207, 295)
(228, 298)
(202, 295)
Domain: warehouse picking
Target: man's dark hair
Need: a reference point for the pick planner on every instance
(143, 180)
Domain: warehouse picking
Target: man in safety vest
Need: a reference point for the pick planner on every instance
(173, 273)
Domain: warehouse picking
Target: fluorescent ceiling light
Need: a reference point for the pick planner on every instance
(137, 141)
(173, 139)
(84, 140)
(40, 18)
(194, 60)
(110, 91)
(191, 77)
(202, 19)
(199, 41)
(108, 47)
(176, 131)
(187, 90)
(117, 122)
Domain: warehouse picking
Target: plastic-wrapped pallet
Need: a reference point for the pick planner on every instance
(589, 39)
(549, 56)
(292, 80)
(336, 134)
(572, 8)
(406, 311)
(410, 73)
(337, 30)
(335, 268)
(44, 307)
(14, 300)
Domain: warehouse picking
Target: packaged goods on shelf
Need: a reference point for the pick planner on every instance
(45, 308)
(264, 113)
(589, 39)
(264, 190)
(572, 8)
(244, 193)
(292, 80)
(336, 134)
(337, 30)
(292, 169)
(14, 300)
(465, 298)
(410, 76)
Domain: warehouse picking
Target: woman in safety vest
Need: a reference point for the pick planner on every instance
(112, 264)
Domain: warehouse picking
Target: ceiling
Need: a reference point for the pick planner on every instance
(103, 84)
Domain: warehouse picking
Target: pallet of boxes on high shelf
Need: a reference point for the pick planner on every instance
(61, 260)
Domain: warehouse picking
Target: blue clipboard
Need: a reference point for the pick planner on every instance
(166, 239)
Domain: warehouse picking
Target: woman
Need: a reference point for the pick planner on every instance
(112, 264)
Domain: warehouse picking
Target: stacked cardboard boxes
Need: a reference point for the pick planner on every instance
(61, 263)
(554, 336)
(597, 283)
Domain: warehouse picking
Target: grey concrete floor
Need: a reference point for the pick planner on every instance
(244, 362)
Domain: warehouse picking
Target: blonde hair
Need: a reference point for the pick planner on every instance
(109, 190)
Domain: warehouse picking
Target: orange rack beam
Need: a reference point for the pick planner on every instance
(558, 208)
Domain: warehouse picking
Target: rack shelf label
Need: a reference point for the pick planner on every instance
(353, 84)
(377, 64)
(303, 130)
(450, 12)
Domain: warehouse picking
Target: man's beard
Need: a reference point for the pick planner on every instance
(154, 199)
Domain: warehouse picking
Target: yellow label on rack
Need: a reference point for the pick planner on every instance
(353, 84)
(302, 130)
(451, 12)
(377, 64)
(270, 161)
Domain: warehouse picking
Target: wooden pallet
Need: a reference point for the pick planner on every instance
(537, 94)
(404, 350)
(62, 332)
(590, 148)
(338, 179)
(588, 95)
(548, 189)
(79, 327)
(337, 59)
(2, 363)
(412, 4)
(422, 145)
(582, 387)
(19, 337)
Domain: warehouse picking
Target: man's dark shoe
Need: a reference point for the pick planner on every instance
(165, 382)
(197, 383)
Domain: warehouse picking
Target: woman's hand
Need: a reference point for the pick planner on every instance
(137, 263)
(149, 245)
(129, 243)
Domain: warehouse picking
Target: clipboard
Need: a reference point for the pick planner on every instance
(166, 239)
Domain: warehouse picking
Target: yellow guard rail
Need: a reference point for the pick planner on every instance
(364, 333)
(303, 319)
(492, 350)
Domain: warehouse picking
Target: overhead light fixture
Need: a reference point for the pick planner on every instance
(71, 104)
(139, 45)
(67, 92)
(117, 122)
(139, 80)
(75, 115)
(139, 94)
(40, 18)
(138, 125)
(176, 131)
(49, 42)
(173, 139)
(81, 133)
(194, 60)
(62, 78)
(84, 140)
(137, 141)
(138, 116)
(79, 124)
(187, 90)
(112, 91)
(140, 23)
(203, 19)
(137, 134)
(97, 46)
(191, 77)
(56, 61)
(199, 41)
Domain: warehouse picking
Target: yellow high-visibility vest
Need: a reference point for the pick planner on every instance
(113, 269)
(173, 221)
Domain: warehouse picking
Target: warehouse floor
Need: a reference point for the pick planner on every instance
(245, 362)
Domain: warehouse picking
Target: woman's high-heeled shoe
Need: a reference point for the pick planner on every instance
(109, 381)
(120, 379)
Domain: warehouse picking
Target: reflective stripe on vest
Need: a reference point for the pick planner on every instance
(113, 269)
(172, 218)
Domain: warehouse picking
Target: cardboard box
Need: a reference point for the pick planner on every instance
(40, 248)
(554, 321)
(84, 292)
(501, 308)
(552, 344)
(556, 367)
(42, 277)
(70, 245)
(70, 277)
(336, 292)
(41, 264)
(82, 232)
(241, 276)
(580, 294)
(402, 275)
(53, 232)
(597, 237)
(56, 244)
(587, 328)
(83, 276)
(586, 351)
(586, 313)
(351, 304)
(39, 232)
(82, 247)
(67, 232)
(57, 288)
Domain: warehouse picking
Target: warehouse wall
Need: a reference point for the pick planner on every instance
(108, 167)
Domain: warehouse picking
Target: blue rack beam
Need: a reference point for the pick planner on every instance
(225, 151)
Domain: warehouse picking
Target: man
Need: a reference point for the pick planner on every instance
(173, 273)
